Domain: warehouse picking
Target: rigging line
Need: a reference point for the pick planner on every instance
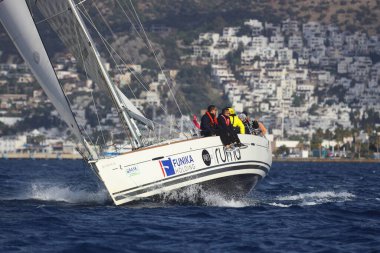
(97, 116)
(121, 58)
(115, 63)
(128, 134)
(164, 126)
(85, 70)
(104, 20)
(133, 25)
(182, 98)
(85, 152)
(84, 130)
(126, 130)
(48, 18)
(59, 13)
(155, 56)
(118, 68)
(81, 2)
(99, 122)
(79, 126)
(130, 21)
(83, 127)
(114, 35)
(93, 24)
(122, 48)
(130, 11)
(107, 44)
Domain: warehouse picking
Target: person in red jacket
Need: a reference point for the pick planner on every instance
(209, 123)
(227, 134)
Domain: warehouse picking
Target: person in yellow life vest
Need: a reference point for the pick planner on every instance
(236, 122)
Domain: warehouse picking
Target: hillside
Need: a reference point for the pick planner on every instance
(188, 18)
(322, 92)
(189, 14)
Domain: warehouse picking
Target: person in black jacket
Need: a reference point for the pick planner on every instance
(209, 123)
(227, 134)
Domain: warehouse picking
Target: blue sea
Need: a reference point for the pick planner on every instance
(60, 206)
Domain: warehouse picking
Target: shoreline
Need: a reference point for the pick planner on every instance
(59, 156)
(326, 160)
(40, 156)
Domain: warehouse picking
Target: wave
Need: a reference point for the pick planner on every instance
(313, 198)
(44, 192)
(196, 195)
(192, 195)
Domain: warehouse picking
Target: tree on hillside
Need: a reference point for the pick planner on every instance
(196, 87)
(316, 139)
(282, 151)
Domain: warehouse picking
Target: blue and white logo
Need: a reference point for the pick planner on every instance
(178, 165)
(168, 167)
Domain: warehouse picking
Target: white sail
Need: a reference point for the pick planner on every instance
(61, 17)
(133, 111)
(16, 19)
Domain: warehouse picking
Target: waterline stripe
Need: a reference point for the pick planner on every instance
(181, 180)
(195, 172)
(191, 175)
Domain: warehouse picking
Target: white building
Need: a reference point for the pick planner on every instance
(11, 143)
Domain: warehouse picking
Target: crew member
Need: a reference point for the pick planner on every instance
(258, 128)
(247, 124)
(262, 128)
(227, 134)
(209, 122)
(237, 124)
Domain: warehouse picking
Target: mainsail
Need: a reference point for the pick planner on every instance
(64, 18)
(16, 19)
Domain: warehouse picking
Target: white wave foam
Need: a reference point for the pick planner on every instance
(279, 205)
(318, 195)
(313, 198)
(195, 194)
(220, 201)
(66, 194)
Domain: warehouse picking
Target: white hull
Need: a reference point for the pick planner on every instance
(152, 171)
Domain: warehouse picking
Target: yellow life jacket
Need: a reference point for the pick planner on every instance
(235, 121)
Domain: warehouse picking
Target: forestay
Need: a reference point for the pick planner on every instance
(16, 19)
(61, 17)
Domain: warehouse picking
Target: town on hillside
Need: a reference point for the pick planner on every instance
(316, 89)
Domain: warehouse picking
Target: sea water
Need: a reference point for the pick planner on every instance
(60, 206)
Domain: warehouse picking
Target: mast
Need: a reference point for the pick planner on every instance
(17, 21)
(121, 109)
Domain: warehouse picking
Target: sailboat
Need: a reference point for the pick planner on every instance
(147, 170)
